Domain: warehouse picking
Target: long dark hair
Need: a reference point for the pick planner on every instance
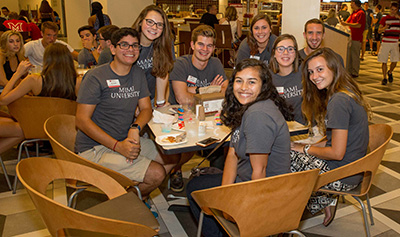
(315, 101)
(162, 58)
(233, 110)
(251, 41)
(97, 10)
(59, 74)
(45, 7)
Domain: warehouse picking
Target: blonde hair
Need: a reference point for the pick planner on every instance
(231, 13)
(5, 51)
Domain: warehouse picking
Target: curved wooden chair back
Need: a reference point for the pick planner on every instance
(261, 207)
(36, 173)
(379, 137)
(61, 131)
(32, 111)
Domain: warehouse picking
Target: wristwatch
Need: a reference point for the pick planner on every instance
(197, 90)
(306, 148)
(135, 125)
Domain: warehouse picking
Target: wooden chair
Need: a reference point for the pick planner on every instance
(124, 214)
(62, 132)
(379, 137)
(260, 207)
(31, 112)
(224, 39)
(3, 149)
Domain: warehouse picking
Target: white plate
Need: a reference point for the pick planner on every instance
(175, 126)
(160, 141)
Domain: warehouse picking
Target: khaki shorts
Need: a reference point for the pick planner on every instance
(117, 162)
(387, 49)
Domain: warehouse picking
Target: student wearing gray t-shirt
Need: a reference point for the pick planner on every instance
(258, 43)
(260, 142)
(108, 128)
(333, 100)
(286, 77)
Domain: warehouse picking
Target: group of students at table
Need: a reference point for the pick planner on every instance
(270, 85)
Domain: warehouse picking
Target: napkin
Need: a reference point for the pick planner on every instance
(159, 117)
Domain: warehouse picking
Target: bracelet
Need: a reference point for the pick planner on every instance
(160, 103)
(115, 145)
(305, 149)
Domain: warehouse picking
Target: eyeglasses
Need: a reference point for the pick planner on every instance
(281, 49)
(126, 46)
(150, 22)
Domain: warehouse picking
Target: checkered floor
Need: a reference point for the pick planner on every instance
(19, 217)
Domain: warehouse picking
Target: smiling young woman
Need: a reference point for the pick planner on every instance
(259, 41)
(286, 76)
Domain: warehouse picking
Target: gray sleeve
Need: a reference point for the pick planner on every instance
(219, 68)
(178, 73)
(260, 132)
(105, 57)
(338, 111)
(90, 90)
(82, 59)
(243, 51)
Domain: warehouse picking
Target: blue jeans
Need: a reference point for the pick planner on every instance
(210, 225)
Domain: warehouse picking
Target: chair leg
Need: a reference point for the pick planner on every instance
(296, 232)
(371, 217)
(139, 193)
(72, 198)
(364, 215)
(200, 226)
(5, 174)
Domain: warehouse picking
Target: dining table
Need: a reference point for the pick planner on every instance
(212, 130)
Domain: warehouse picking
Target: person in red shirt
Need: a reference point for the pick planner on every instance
(14, 24)
(356, 22)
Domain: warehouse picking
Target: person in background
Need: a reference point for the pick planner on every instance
(356, 22)
(97, 19)
(11, 54)
(260, 142)
(5, 12)
(46, 12)
(190, 73)
(157, 54)
(35, 32)
(332, 19)
(57, 20)
(286, 76)
(34, 49)
(314, 33)
(24, 14)
(57, 79)
(13, 23)
(343, 13)
(104, 38)
(377, 35)
(89, 55)
(367, 35)
(331, 98)
(390, 27)
(259, 41)
(108, 127)
(231, 18)
(210, 17)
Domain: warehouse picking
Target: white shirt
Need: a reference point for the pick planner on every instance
(34, 50)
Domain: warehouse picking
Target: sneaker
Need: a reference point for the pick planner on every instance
(176, 181)
(390, 76)
(384, 81)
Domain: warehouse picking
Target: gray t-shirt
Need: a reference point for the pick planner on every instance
(116, 98)
(105, 56)
(185, 71)
(290, 88)
(343, 112)
(263, 130)
(86, 57)
(145, 61)
(303, 55)
(244, 51)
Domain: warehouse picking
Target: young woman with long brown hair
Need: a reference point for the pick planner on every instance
(157, 53)
(333, 100)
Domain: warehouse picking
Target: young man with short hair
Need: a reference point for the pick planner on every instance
(390, 27)
(5, 12)
(108, 128)
(34, 49)
(104, 38)
(191, 72)
(314, 33)
(89, 55)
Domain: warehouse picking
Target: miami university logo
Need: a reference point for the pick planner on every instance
(15, 27)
